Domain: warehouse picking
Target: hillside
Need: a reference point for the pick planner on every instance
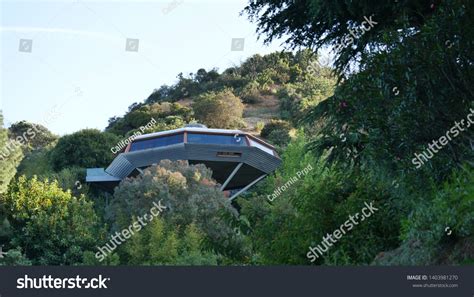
(376, 153)
(265, 85)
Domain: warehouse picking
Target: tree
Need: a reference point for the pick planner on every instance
(412, 81)
(250, 93)
(14, 257)
(219, 109)
(297, 99)
(277, 132)
(10, 157)
(141, 115)
(190, 195)
(319, 23)
(162, 243)
(50, 225)
(424, 233)
(86, 148)
(293, 211)
(36, 162)
(36, 136)
(386, 113)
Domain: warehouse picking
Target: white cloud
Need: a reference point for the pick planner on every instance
(89, 34)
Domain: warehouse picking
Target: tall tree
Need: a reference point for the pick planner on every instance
(10, 157)
(318, 23)
(34, 135)
(85, 148)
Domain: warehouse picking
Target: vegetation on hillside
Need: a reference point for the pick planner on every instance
(403, 83)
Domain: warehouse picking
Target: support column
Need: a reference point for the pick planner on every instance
(231, 175)
(247, 187)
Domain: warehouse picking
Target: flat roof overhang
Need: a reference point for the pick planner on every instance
(100, 175)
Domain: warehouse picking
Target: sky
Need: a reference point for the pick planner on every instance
(65, 64)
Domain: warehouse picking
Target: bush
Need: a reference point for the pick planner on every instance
(37, 136)
(162, 243)
(250, 93)
(191, 197)
(141, 115)
(14, 257)
(10, 156)
(36, 162)
(424, 234)
(219, 110)
(259, 126)
(298, 98)
(277, 132)
(50, 225)
(86, 148)
(285, 227)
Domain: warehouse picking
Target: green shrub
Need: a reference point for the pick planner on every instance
(10, 156)
(277, 132)
(191, 197)
(287, 222)
(165, 244)
(35, 135)
(86, 148)
(250, 93)
(259, 126)
(298, 98)
(50, 225)
(36, 162)
(219, 110)
(425, 231)
(14, 257)
(166, 115)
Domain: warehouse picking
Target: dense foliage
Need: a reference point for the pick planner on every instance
(192, 200)
(412, 83)
(347, 136)
(318, 23)
(10, 156)
(168, 244)
(48, 224)
(35, 136)
(277, 132)
(86, 148)
(168, 116)
(219, 110)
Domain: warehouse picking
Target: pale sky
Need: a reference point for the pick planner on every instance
(78, 73)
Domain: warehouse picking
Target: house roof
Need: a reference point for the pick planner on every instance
(234, 165)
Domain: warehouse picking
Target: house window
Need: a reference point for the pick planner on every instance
(156, 142)
(217, 139)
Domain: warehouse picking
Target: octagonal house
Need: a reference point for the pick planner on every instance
(237, 159)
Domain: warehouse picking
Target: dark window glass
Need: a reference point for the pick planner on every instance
(217, 139)
(156, 142)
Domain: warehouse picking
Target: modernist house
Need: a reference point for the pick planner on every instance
(237, 159)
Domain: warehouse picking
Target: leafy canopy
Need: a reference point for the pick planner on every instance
(86, 148)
